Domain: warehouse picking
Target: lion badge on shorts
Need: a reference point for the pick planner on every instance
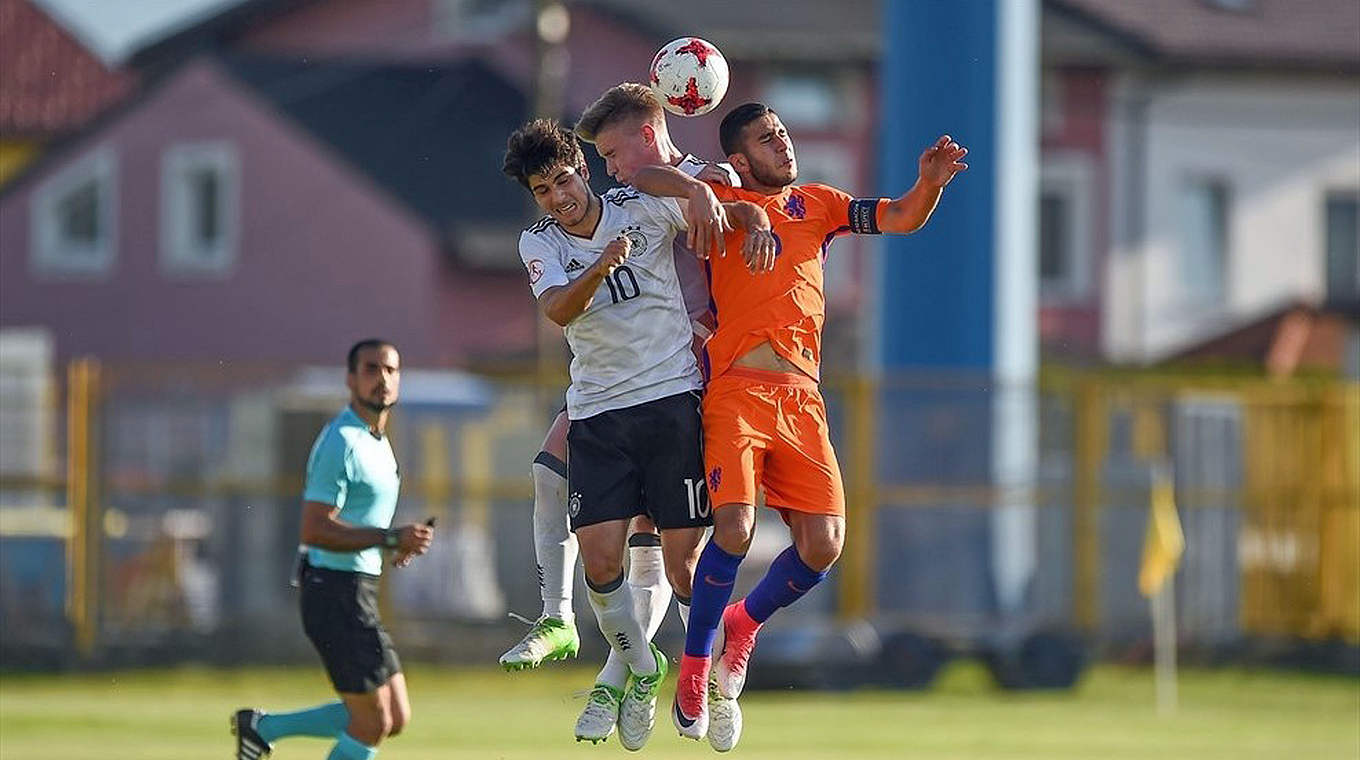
(714, 478)
(574, 504)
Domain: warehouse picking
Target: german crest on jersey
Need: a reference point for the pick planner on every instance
(635, 236)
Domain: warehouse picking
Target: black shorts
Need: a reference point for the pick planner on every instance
(340, 616)
(644, 460)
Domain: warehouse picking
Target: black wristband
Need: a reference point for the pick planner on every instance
(391, 537)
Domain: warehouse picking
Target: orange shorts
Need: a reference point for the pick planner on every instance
(768, 429)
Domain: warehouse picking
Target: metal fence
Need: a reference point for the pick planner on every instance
(150, 512)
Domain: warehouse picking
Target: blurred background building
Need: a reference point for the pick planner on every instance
(201, 206)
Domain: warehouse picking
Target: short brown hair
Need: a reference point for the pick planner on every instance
(537, 147)
(622, 101)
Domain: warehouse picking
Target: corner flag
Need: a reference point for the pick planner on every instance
(1164, 543)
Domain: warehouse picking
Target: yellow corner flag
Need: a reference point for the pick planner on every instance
(1164, 542)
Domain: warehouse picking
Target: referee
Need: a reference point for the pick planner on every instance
(347, 509)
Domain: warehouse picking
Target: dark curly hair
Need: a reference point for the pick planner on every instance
(537, 147)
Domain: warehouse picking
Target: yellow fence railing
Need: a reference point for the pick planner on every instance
(1287, 455)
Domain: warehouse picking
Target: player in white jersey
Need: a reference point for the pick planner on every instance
(603, 268)
(632, 133)
(627, 126)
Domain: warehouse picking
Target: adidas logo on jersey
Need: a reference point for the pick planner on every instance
(574, 266)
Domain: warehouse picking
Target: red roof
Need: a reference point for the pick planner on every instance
(49, 82)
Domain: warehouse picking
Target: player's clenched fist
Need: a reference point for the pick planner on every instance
(940, 162)
(614, 254)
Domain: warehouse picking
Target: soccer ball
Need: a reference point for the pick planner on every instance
(689, 76)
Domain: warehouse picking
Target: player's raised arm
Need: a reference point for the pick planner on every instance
(759, 246)
(937, 165)
(563, 303)
(704, 213)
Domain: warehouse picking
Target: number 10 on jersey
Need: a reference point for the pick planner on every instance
(623, 286)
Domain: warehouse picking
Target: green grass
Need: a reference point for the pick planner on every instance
(462, 713)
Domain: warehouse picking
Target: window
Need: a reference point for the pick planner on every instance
(1204, 241)
(1052, 102)
(199, 192)
(806, 100)
(479, 20)
(1343, 246)
(73, 215)
(1055, 245)
(1238, 6)
(1065, 225)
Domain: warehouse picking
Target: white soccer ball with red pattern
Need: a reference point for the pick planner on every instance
(689, 76)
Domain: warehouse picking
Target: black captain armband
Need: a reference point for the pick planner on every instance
(864, 216)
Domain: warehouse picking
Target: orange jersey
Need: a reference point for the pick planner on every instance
(784, 307)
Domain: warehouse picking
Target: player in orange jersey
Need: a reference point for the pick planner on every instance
(764, 420)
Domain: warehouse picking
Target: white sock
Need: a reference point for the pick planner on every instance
(651, 597)
(617, 615)
(554, 543)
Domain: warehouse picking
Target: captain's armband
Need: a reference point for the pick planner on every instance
(864, 216)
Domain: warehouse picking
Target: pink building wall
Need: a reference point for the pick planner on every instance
(324, 256)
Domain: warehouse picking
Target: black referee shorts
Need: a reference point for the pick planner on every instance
(340, 617)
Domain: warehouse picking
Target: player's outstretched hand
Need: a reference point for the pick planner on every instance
(759, 250)
(614, 254)
(412, 541)
(707, 221)
(940, 162)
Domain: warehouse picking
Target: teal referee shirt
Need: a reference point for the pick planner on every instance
(354, 470)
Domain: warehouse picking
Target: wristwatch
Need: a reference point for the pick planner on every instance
(391, 537)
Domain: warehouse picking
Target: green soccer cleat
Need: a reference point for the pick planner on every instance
(637, 714)
(600, 715)
(724, 720)
(549, 639)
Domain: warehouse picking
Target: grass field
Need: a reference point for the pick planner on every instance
(460, 713)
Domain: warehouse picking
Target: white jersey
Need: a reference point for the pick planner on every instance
(632, 345)
(692, 272)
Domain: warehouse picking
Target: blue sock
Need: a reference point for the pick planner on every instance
(714, 575)
(349, 748)
(326, 721)
(784, 583)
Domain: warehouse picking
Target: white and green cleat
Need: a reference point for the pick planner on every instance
(600, 715)
(724, 720)
(549, 639)
(637, 716)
